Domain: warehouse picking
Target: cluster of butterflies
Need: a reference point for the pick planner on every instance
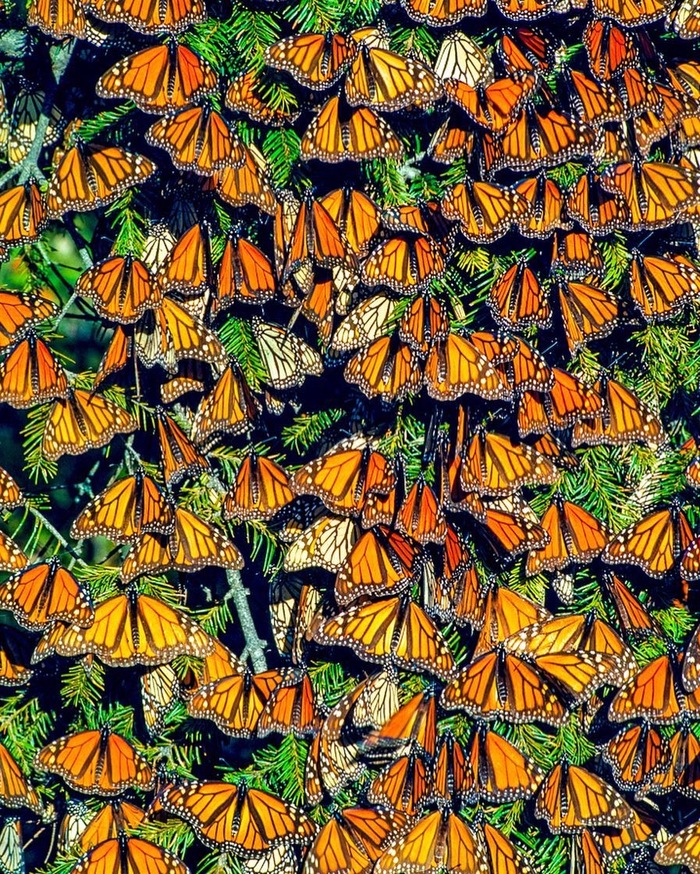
(400, 382)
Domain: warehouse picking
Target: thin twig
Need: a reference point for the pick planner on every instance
(237, 592)
(44, 522)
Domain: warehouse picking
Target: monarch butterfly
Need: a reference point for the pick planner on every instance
(485, 211)
(504, 613)
(654, 544)
(15, 789)
(681, 848)
(587, 312)
(44, 593)
(187, 268)
(577, 254)
(314, 239)
(501, 685)
(83, 421)
(567, 402)
(30, 375)
(130, 507)
(495, 465)
(26, 111)
(22, 215)
(356, 215)
(229, 408)
(325, 544)
(358, 835)
(168, 333)
(129, 629)
(286, 359)
(454, 139)
(501, 773)
(113, 819)
(247, 184)
(594, 102)
(680, 771)
(597, 211)
(526, 50)
(197, 139)
(237, 819)
(121, 288)
(366, 323)
(452, 777)
(684, 19)
(441, 838)
(11, 556)
(503, 855)
(383, 80)
(97, 762)
(635, 755)
(181, 458)
(261, 489)
(402, 785)
(116, 357)
(357, 134)
(393, 630)
(638, 93)
(536, 140)
(293, 609)
(653, 192)
(172, 16)
(316, 60)
(511, 523)
(291, 708)
(631, 13)
(631, 613)
(438, 13)
(160, 689)
(516, 299)
(14, 661)
(333, 764)
(625, 419)
(462, 60)
(235, 702)
(11, 847)
(575, 536)
(91, 176)
(455, 594)
(245, 275)
(420, 516)
(405, 263)
(545, 207)
(586, 853)
(344, 477)
(159, 78)
(456, 367)
(653, 694)
(58, 19)
(379, 700)
(491, 105)
(247, 94)
(573, 633)
(617, 842)
(610, 49)
(519, 365)
(192, 544)
(660, 286)
(572, 798)
(128, 855)
(413, 724)
(18, 311)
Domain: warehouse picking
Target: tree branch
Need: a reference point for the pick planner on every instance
(238, 593)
